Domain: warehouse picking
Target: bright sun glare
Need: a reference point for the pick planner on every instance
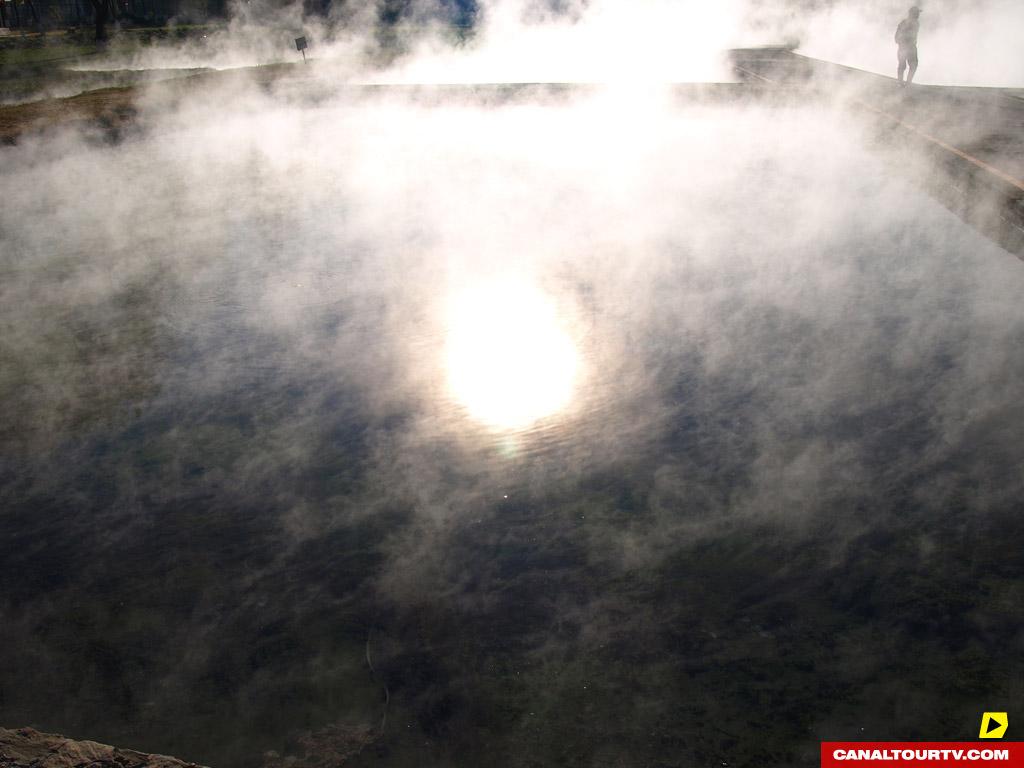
(510, 362)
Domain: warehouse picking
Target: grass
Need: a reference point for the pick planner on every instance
(43, 52)
(34, 65)
(58, 45)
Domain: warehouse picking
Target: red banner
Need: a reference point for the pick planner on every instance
(922, 754)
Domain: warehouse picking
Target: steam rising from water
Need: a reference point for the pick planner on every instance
(605, 41)
(753, 376)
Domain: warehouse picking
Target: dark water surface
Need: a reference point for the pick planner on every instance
(243, 504)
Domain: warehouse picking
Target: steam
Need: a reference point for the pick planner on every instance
(233, 457)
(516, 41)
(604, 41)
(960, 43)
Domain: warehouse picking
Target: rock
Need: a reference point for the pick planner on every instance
(330, 747)
(28, 748)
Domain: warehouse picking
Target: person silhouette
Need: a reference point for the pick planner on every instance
(906, 45)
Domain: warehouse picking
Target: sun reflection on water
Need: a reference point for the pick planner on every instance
(510, 362)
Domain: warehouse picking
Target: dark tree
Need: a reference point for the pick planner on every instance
(101, 13)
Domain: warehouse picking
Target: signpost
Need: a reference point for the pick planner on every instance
(301, 45)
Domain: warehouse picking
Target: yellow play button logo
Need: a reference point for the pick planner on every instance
(993, 725)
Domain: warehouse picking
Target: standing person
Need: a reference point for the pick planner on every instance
(906, 42)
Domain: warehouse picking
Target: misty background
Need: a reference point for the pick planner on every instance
(243, 511)
(962, 42)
